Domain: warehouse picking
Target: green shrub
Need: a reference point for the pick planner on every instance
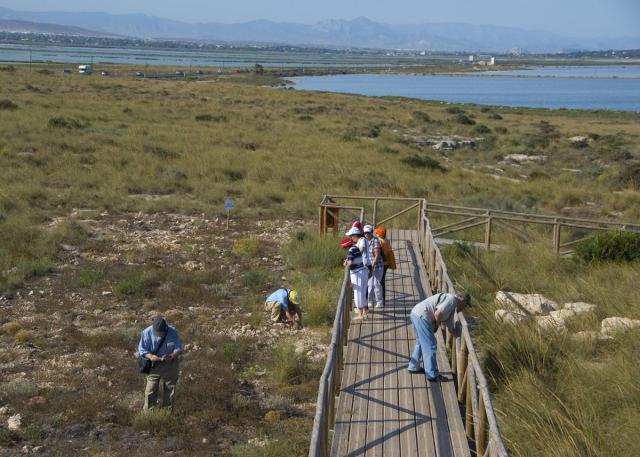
(455, 110)
(141, 283)
(421, 116)
(160, 152)
(610, 246)
(389, 150)
(482, 129)
(319, 305)
(309, 250)
(89, 278)
(8, 105)
(246, 247)
(10, 328)
(65, 123)
(463, 119)
(520, 348)
(23, 336)
(256, 280)
(494, 116)
(17, 389)
(234, 174)
(155, 421)
(288, 367)
(422, 161)
(501, 130)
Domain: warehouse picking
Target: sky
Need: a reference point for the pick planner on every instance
(577, 18)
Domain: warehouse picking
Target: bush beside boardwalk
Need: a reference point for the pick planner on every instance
(557, 393)
(84, 159)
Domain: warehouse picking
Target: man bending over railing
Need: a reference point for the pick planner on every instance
(426, 317)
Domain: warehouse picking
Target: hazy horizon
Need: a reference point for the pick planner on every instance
(577, 18)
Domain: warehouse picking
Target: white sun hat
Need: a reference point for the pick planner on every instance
(353, 231)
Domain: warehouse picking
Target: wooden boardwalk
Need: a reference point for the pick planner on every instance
(383, 410)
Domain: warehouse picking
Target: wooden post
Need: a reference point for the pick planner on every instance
(375, 212)
(556, 236)
(487, 233)
(481, 440)
(462, 367)
(468, 413)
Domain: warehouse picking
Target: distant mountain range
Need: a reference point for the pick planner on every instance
(17, 26)
(356, 33)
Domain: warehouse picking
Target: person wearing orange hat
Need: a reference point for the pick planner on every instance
(387, 254)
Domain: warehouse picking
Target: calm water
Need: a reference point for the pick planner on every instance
(566, 92)
(618, 71)
(183, 57)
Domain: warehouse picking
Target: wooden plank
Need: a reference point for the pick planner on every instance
(345, 401)
(406, 407)
(360, 391)
(391, 444)
(375, 432)
(424, 423)
(459, 442)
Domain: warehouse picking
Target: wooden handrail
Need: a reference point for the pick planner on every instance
(530, 218)
(480, 421)
(330, 380)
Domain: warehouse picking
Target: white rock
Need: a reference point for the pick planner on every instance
(562, 315)
(533, 303)
(580, 307)
(612, 325)
(14, 422)
(586, 336)
(548, 323)
(525, 158)
(511, 317)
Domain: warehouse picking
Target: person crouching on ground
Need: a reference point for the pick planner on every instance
(387, 254)
(358, 272)
(160, 343)
(375, 296)
(426, 317)
(283, 305)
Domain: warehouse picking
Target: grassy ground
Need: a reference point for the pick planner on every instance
(555, 393)
(125, 144)
(75, 149)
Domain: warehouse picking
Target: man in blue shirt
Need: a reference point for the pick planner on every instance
(161, 344)
(426, 317)
(283, 305)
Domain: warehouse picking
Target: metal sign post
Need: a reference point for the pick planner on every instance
(229, 204)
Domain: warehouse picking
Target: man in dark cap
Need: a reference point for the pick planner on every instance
(160, 343)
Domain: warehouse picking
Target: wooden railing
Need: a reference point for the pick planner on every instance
(331, 375)
(507, 220)
(480, 421)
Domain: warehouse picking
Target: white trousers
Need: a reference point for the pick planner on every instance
(376, 295)
(359, 285)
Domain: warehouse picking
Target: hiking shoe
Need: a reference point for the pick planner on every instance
(418, 371)
(379, 306)
(438, 378)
